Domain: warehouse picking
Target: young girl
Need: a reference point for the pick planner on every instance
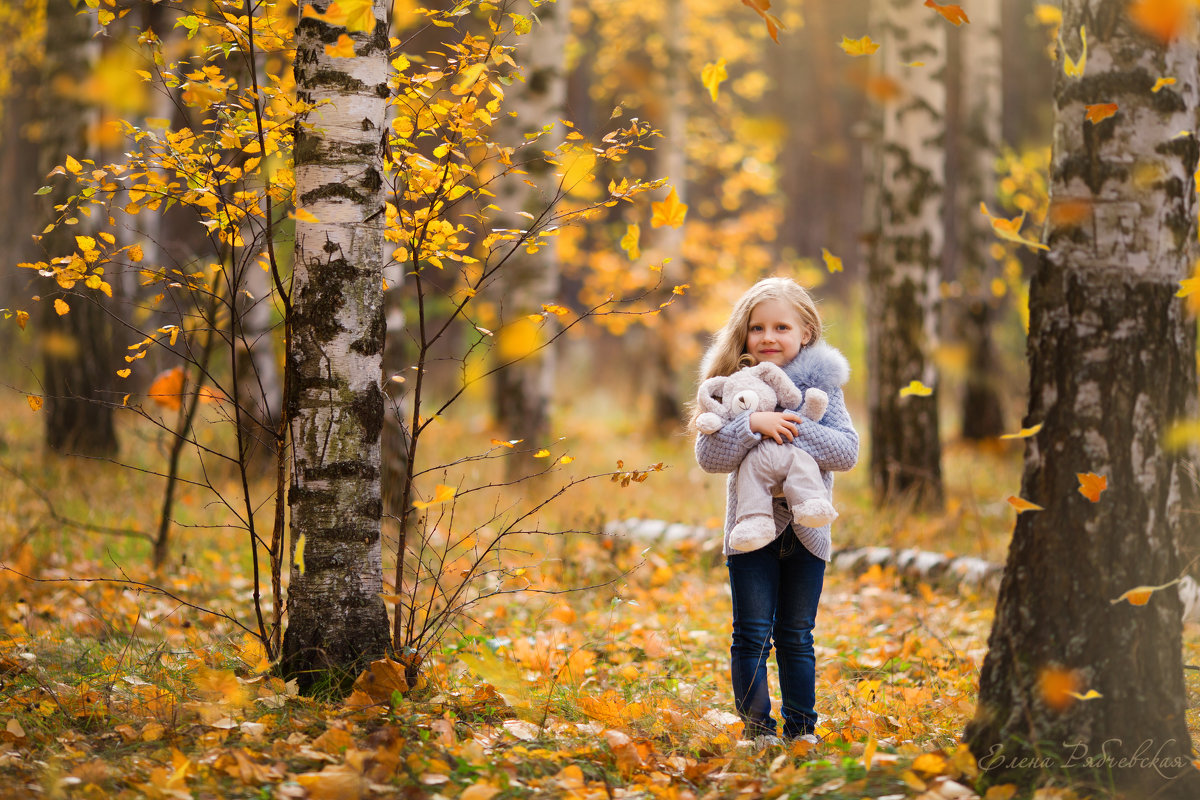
(776, 588)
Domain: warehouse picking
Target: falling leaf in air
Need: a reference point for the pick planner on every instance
(1160, 83)
(629, 242)
(1071, 67)
(124, 373)
(1140, 595)
(60, 306)
(1024, 433)
(1010, 229)
(952, 13)
(858, 47)
(669, 212)
(1098, 112)
(441, 494)
(1058, 687)
(1164, 20)
(342, 48)
(34, 401)
(762, 8)
(712, 75)
(302, 215)
(916, 388)
(167, 387)
(1091, 694)
(1091, 485)
(1022, 505)
(832, 262)
(299, 557)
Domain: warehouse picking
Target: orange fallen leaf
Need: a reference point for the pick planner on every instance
(952, 13)
(1022, 505)
(1164, 20)
(1098, 112)
(762, 8)
(1140, 595)
(167, 387)
(1010, 229)
(1058, 687)
(1091, 485)
(441, 494)
(1067, 213)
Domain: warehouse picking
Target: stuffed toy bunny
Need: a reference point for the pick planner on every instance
(770, 469)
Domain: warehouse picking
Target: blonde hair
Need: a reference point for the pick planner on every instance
(728, 351)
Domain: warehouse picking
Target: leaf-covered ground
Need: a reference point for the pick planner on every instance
(110, 690)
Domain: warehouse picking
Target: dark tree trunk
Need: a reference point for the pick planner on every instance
(79, 353)
(1112, 357)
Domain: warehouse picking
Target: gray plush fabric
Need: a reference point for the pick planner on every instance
(832, 442)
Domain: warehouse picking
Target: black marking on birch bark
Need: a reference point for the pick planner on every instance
(332, 190)
(368, 407)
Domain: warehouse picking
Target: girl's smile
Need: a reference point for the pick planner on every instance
(775, 332)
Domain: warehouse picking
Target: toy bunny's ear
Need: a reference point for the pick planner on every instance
(708, 393)
(772, 375)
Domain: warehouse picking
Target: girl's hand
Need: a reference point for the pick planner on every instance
(778, 425)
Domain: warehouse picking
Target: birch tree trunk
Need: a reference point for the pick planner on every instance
(522, 390)
(1112, 358)
(982, 112)
(79, 354)
(904, 272)
(336, 618)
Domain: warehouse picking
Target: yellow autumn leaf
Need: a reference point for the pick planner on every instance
(555, 309)
(299, 557)
(441, 494)
(1160, 83)
(712, 75)
(1091, 694)
(1091, 485)
(869, 753)
(61, 307)
(669, 212)
(633, 233)
(566, 459)
(1022, 505)
(510, 445)
(917, 389)
(22, 319)
(1188, 286)
(858, 47)
(1071, 67)
(1140, 595)
(301, 215)
(541, 453)
(73, 165)
(124, 373)
(1024, 433)
(34, 401)
(832, 262)
(1010, 229)
(342, 48)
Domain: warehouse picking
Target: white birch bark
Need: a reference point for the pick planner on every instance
(336, 618)
(981, 109)
(904, 272)
(522, 390)
(1112, 362)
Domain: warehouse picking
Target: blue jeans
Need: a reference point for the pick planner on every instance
(775, 594)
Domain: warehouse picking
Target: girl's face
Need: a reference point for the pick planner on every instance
(775, 332)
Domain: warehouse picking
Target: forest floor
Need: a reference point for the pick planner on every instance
(110, 689)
